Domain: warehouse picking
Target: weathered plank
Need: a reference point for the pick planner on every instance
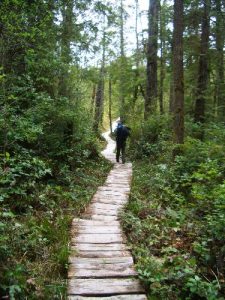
(108, 200)
(108, 286)
(106, 206)
(100, 247)
(97, 211)
(103, 217)
(102, 271)
(98, 229)
(114, 189)
(101, 260)
(98, 238)
(111, 191)
(101, 267)
(118, 297)
(87, 222)
(102, 253)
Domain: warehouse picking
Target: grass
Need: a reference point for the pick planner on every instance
(34, 246)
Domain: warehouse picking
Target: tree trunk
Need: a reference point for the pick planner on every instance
(67, 24)
(151, 84)
(178, 77)
(110, 104)
(93, 99)
(122, 64)
(135, 68)
(162, 59)
(99, 102)
(203, 71)
(220, 84)
(171, 99)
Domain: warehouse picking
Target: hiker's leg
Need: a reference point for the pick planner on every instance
(123, 153)
(117, 153)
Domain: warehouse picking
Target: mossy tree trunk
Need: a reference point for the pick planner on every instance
(178, 77)
(151, 84)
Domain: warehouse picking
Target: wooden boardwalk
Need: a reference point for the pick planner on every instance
(100, 265)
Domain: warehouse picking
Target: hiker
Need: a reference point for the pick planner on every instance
(121, 132)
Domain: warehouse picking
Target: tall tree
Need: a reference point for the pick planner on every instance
(66, 38)
(178, 77)
(99, 100)
(122, 64)
(152, 47)
(203, 70)
(162, 56)
(110, 103)
(137, 57)
(220, 84)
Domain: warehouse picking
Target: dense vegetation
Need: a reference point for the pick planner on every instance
(175, 217)
(49, 151)
(65, 74)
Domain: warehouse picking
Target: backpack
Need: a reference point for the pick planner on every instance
(122, 132)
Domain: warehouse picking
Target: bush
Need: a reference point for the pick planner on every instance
(175, 219)
(151, 138)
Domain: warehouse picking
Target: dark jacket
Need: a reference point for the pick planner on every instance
(121, 132)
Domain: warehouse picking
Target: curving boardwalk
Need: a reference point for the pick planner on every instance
(100, 265)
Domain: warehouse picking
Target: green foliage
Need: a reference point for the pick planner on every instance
(49, 154)
(34, 245)
(149, 138)
(175, 218)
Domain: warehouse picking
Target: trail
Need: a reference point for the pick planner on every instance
(100, 265)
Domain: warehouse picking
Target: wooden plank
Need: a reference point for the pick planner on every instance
(100, 247)
(121, 197)
(118, 297)
(98, 238)
(102, 253)
(98, 229)
(102, 271)
(117, 183)
(96, 211)
(81, 261)
(116, 196)
(87, 222)
(109, 286)
(113, 189)
(101, 267)
(106, 206)
(112, 201)
(104, 218)
(117, 186)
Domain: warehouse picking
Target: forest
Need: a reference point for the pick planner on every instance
(68, 69)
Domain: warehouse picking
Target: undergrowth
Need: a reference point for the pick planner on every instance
(175, 219)
(34, 228)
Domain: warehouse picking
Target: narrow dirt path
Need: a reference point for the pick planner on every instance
(101, 266)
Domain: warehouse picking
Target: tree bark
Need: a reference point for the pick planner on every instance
(99, 101)
(203, 71)
(178, 77)
(151, 84)
(220, 84)
(110, 104)
(67, 24)
(162, 60)
(122, 64)
(137, 58)
(93, 99)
